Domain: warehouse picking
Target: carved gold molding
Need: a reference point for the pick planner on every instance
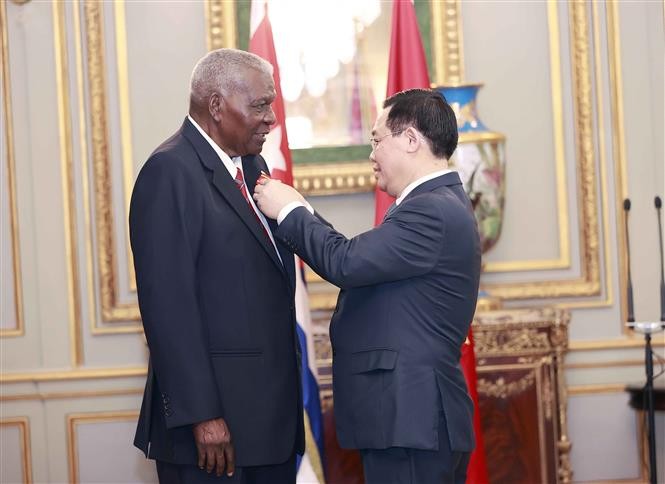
(19, 330)
(111, 308)
(500, 389)
(74, 420)
(221, 23)
(447, 43)
(511, 341)
(523, 331)
(333, 178)
(23, 424)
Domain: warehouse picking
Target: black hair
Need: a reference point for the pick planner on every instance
(428, 112)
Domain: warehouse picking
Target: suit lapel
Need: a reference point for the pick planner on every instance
(228, 189)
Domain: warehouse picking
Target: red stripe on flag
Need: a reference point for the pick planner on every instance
(262, 45)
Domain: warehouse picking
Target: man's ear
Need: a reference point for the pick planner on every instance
(216, 106)
(414, 139)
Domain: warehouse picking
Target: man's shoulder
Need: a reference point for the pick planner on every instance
(175, 154)
(174, 148)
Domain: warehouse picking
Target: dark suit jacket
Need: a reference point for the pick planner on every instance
(409, 290)
(217, 307)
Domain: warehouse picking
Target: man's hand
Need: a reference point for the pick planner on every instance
(213, 441)
(272, 196)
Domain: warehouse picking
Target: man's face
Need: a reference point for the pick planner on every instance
(388, 161)
(247, 115)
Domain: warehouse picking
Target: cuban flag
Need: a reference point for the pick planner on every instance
(277, 155)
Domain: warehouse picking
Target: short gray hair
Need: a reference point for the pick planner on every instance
(223, 71)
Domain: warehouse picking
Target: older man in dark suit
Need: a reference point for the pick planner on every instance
(409, 290)
(216, 291)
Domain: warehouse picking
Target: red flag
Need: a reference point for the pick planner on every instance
(407, 69)
(276, 148)
(477, 471)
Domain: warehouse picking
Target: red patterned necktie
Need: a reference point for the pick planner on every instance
(240, 181)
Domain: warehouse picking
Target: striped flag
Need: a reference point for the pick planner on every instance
(277, 155)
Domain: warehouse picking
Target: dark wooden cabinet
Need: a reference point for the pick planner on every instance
(521, 394)
(521, 391)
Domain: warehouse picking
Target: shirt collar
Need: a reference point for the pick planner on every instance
(409, 188)
(231, 164)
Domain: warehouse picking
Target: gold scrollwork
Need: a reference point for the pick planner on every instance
(111, 309)
(500, 389)
(551, 322)
(511, 341)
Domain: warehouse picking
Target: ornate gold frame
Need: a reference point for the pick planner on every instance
(111, 308)
(23, 423)
(19, 330)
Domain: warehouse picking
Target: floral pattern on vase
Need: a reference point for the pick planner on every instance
(480, 160)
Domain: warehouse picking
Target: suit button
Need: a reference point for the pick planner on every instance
(168, 412)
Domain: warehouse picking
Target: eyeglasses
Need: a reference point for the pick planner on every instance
(375, 141)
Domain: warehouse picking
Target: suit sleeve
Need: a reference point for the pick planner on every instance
(407, 244)
(165, 223)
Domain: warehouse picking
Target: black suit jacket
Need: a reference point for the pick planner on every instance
(217, 307)
(409, 290)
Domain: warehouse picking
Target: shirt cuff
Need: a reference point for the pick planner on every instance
(290, 207)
